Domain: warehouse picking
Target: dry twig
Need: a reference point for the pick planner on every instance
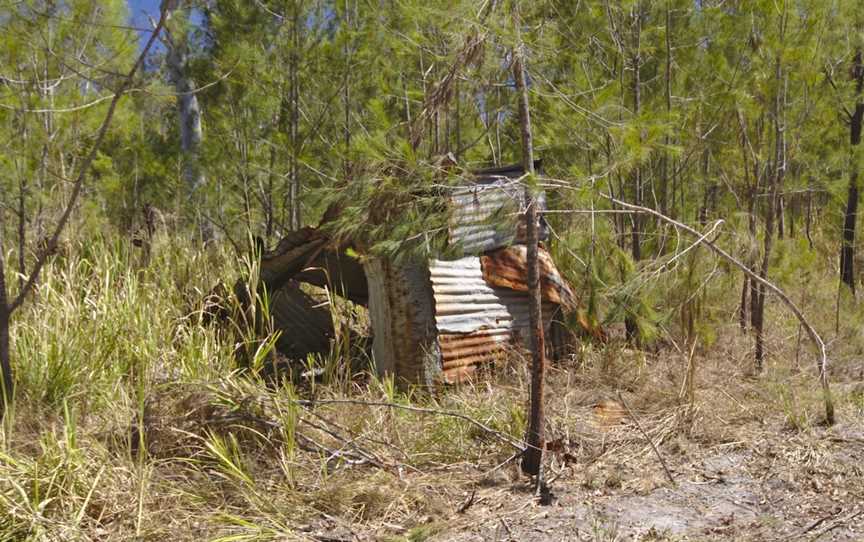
(650, 441)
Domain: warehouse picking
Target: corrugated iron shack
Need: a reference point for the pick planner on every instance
(439, 320)
(434, 319)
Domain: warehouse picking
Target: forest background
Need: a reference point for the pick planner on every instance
(249, 118)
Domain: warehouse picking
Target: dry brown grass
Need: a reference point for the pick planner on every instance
(137, 428)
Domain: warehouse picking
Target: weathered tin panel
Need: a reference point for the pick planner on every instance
(293, 253)
(477, 321)
(487, 215)
(305, 322)
(508, 268)
(403, 323)
(339, 272)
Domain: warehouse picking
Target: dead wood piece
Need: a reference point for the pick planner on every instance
(468, 502)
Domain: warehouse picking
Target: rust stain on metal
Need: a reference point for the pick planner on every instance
(508, 268)
(477, 322)
(461, 354)
(400, 306)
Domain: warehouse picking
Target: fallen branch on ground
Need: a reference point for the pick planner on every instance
(518, 445)
(648, 438)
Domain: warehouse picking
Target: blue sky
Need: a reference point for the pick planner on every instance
(139, 9)
(140, 12)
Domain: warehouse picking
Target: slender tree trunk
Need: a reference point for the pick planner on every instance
(533, 457)
(22, 229)
(191, 134)
(269, 208)
(781, 217)
(809, 217)
(793, 206)
(847, 250)
(346, 96)
(5, 356)
(458, 122)
(777, 174)
(664, 186)
(498, 129)
(632, 329)
(637, 172)
(751, 190)
(294, 124)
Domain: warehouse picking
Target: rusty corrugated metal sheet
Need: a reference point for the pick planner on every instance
(486, 215)
(508, 268)
(304, 321)
(461, 354)
(476, 321)
(403, 324)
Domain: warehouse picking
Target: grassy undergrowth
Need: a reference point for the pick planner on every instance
(131, 420)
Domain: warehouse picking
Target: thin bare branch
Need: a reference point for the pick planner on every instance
(83, 169)
(811, 332)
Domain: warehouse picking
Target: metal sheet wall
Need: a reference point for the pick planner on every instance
(487, 215)
(306, 323)
(403, 325)
(476, 322)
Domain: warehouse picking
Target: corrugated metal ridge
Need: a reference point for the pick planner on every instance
(487, 215)
(306, 324)
(476, 321)
(462, 350)
(508, 268)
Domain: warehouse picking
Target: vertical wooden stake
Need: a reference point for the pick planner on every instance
(532, 459)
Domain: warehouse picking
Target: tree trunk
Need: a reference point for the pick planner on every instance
(781, 217)
(533, 457)
(847, 250)
(793, 208)
(296, 219)
(7, 382)
(346, 97)
(809, 217)
(664, 187)
(191, 134)
(752, 189)
(632, 330)
(777, 173)
(22, 229)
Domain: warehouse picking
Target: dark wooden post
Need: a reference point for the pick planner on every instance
(533, 456)
(847, 250)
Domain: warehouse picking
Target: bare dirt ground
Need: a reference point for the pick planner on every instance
(789, 488)
(751, 461)
(750, 457)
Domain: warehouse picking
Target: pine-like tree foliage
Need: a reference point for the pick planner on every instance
(676, 105)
